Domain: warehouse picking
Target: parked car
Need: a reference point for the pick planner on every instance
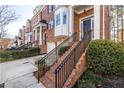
(12, 48)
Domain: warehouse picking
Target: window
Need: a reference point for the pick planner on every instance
(50, 8)
(58, 19)
(51, 25)
(45, 39)
(64, 17)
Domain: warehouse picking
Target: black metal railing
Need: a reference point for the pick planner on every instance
(28, 45)
(47, 61)
(65, 68)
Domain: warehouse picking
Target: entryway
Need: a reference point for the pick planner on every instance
(86, 27)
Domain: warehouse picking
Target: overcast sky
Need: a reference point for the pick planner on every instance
(24, 13)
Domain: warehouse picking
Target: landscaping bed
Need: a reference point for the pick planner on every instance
(9, 55)
(105, 65)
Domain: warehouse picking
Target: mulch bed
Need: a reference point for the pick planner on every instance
(112, 82)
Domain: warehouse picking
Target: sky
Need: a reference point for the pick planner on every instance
(23, 12)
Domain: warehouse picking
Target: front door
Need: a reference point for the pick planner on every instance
(86, 27)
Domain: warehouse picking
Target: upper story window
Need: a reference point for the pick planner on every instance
(50, 8)
(64, 17)
(58, 19)
(51, 25)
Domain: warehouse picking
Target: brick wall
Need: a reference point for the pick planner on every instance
(49, 32)
(107, 22)
(46, 16)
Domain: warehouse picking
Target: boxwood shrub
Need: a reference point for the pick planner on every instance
(106, 57)
(62, 50)
(17, 54)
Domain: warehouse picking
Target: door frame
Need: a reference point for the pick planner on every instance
(81, 21)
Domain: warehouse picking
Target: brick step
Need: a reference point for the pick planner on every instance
(81, 67)
(50, 75)
(47, 82)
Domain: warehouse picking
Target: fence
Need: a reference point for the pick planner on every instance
(65, 68)
(47, 61)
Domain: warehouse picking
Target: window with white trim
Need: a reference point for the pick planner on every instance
(58, 19)
(64, 17)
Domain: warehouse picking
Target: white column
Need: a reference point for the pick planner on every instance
(40, 35)
(71, 21)
(35, 34)
(96, 22)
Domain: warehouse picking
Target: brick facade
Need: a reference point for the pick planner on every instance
(49, 32)
(105, 22)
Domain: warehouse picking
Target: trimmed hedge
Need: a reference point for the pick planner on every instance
(18, 54)
(63, 49)
(106, 57)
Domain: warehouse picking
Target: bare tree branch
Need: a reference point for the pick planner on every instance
(7, 15)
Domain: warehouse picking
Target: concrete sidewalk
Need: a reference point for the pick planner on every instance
(15, 69)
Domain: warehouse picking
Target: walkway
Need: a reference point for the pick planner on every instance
(19, 73)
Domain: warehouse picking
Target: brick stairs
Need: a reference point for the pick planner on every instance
(80, 68)
(49, 78)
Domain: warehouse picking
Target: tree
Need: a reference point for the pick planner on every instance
(7, 15)
(117, 22)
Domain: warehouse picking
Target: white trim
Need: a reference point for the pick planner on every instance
(84, 10)
(96, 22)
(87, 17)
(83, 19)
(103, 29)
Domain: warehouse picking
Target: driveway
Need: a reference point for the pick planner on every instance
(19, 73)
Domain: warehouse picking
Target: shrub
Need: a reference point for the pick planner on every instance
(63, 49)
(106, 57)
(89, 80)
(17, 54)
(42, 67)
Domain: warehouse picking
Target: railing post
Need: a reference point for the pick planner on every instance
(56, 50)
(56, 78)
(74, 56)
(38, 72)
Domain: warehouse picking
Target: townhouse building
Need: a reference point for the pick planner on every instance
(89, 22)
(28, 32)
(80, 19)
(43, 26)
(37, 25)
(20, 38)
(51, 24)
(48, 12)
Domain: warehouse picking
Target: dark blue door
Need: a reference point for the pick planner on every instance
(87, 28)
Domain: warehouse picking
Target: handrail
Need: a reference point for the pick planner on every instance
(31, 43)
(58, 46)
(48, 60)
(63, 71)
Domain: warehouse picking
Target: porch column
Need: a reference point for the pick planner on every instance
(40, 35)
(35, 34)
(71, 21)
(96, 22)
